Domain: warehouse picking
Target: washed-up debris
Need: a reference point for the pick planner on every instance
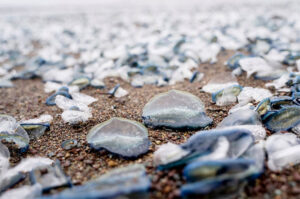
(11, 131)
(175, 110)
(74, 51)
(120, 136)
(130, 181)
(143, 54)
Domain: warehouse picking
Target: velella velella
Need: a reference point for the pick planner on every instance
(132, 48)
(50, 177)
(83, 98)
(260, 46)
(263, 106)
(50, 86)
(258, 67)
(277, 103)
(214, 179)
(56, 74)
(213, 188)
(292, 57)
(249, 94)
(121, 182)
(64, 91)
(11, 131)
(199, 170)
(269, 106)
(4, 152)
(233, 62)
(75, 116)
(37, 126)
(96, 83)
(4, 83)
(220, 81)
(69, 104)
(257, 131)
(197, 76)
(257, 154)
(296, 129)
(233, 142)
(11, 176)
(75, 111)
(175, 110)
(282, 150)
(241, 117)
(279, 83)
(23, 192)
(167, 153)
(227, 95)
(283, 119)
(81, 82)
(121, 136)
(4, 158)
(239, 138)
(118, 91)
(69, 144)
(35, 130)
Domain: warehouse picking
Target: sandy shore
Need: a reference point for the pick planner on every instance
(27, 100)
